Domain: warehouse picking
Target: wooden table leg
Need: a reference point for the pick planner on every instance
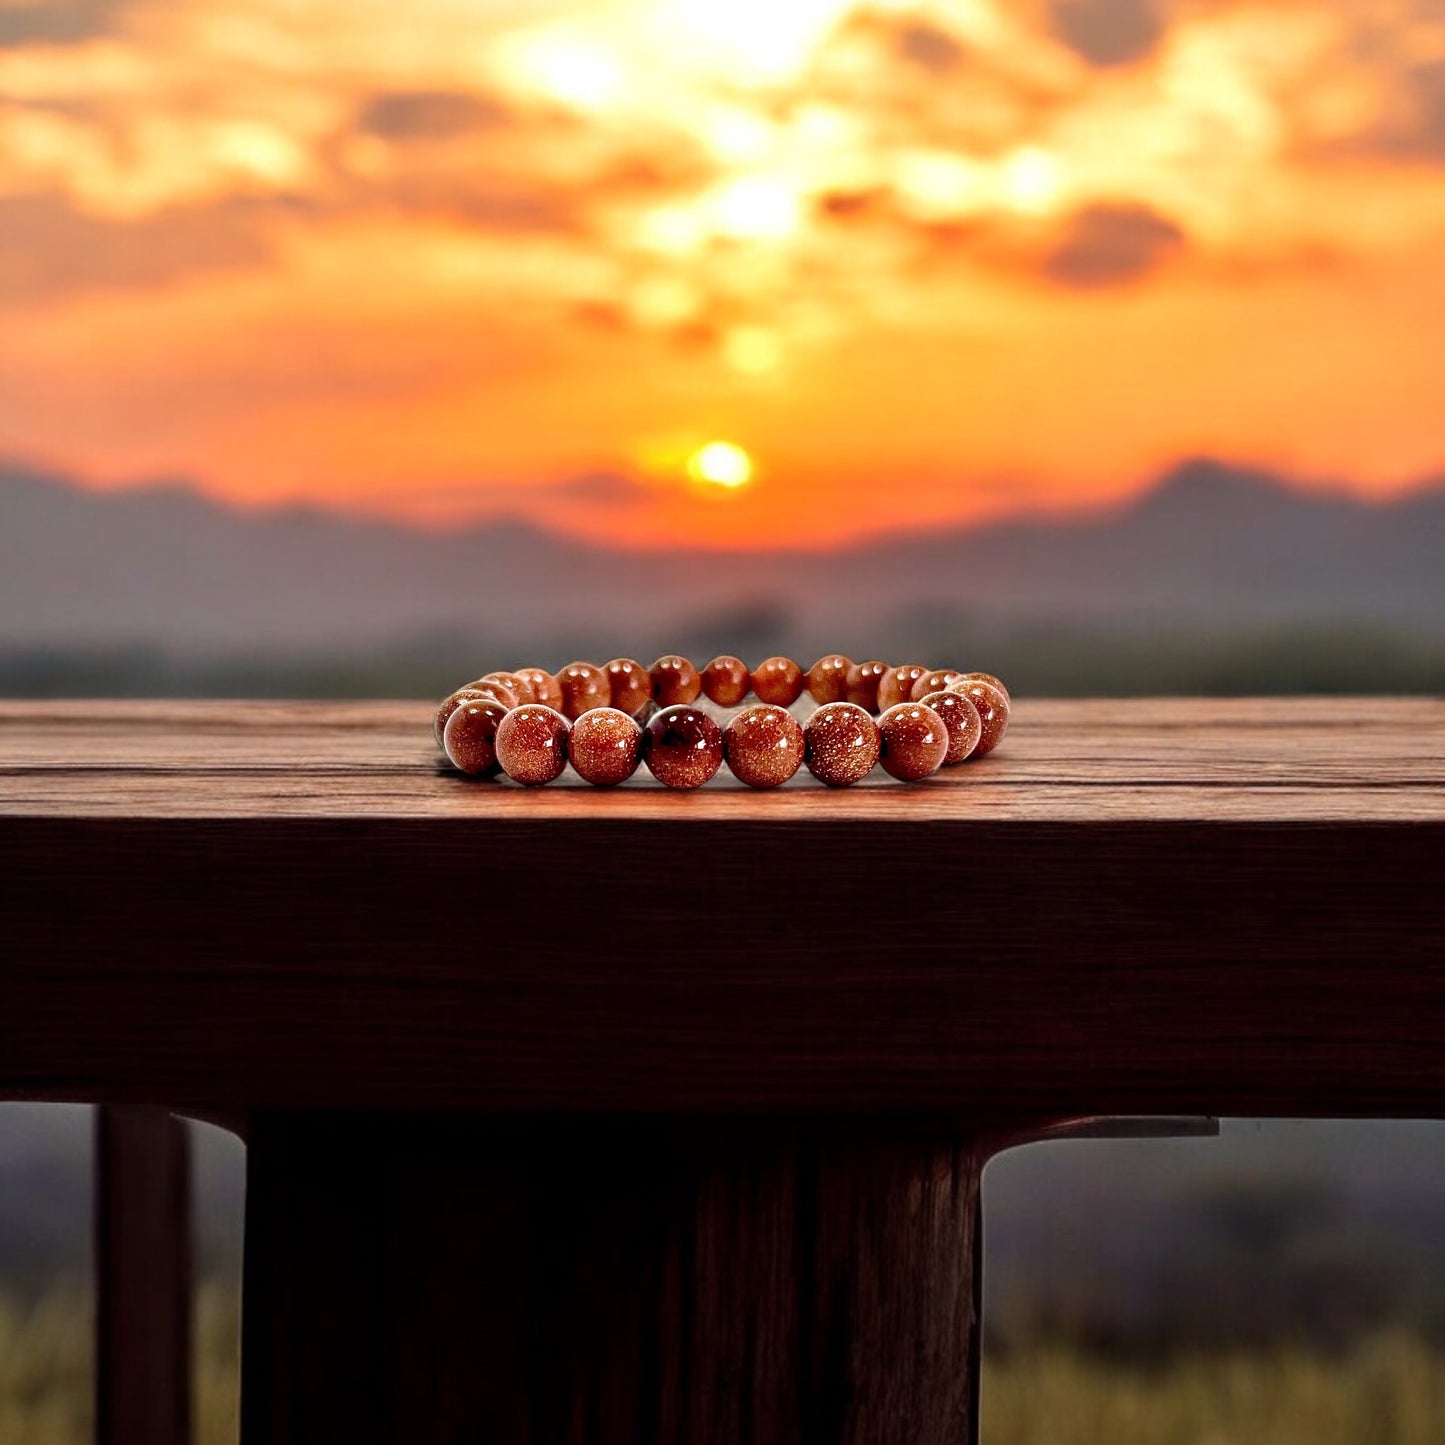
(143, 1278)
(608, 1282)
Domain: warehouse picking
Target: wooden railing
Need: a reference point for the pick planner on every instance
(631, 1117)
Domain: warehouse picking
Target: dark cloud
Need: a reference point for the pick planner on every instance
(56, 22)
(928, 47)
(428, 114)
(48, 247)
(1109, 32)
(852, 205)
(1422, 134)
(1111, 245)
(610, 490)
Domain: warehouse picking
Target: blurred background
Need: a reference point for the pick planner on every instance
(357, 348)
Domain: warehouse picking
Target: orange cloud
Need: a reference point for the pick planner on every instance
(922, 262)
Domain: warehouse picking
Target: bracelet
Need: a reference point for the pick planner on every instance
(606, 721)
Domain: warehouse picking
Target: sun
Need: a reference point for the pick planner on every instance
(721, 464)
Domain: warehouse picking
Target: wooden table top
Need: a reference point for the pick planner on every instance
(1133, 906)
(1268, 760)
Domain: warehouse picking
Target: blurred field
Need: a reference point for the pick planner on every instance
(46, 1367)
(1387, 1390)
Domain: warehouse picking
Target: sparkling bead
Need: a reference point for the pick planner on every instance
(629, 685)
(912, 741)
(961, 719)
(532, 744)
(987, 677)
(674, 681)
(828, 678)
(935, 681)
(764, 745)
(545, 688)
(682, 746)
(993, 711)
(726, 681)
(779, 680)
(863, 680)
(452, 701)
(605, 746)
(514, 682)
(471, 736)
(840, 744)
(583, 685)
(896, 685)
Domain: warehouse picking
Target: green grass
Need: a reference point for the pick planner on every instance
(1389, 1390)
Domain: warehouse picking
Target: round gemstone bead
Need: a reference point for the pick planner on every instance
(828, 678)
(840, 744)
(605, 746)
(935, 681)
(896, 685)
(629, 685)
(961, 719)
(779, 680)
(993, 711)
(514, 682)
(764, 745)
(683, 747)
(726, 681)
(470, 736)
(863, 680)
(912, 741)
(545, 688)
(674, 680)
(583, 685)
(454, 700)
(987, 677)
(532, 744)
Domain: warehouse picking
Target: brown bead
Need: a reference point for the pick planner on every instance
(935, 681)
(452, 701)
(987, 677)
(605, 746)
(498, 690)
(764, 745)
(912, 741)
(828, 678)
(993, 711)
(514, 682)
(896, 685)
(532, 744)
(674, 680)
(545, 688)
(779, 680)
(727, 681)
(470, 737)
(961, 719)
(629, 685)
(583, 685)
(863, 680)
(840, 744)
(682, 746)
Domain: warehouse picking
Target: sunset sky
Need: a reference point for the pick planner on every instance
(919, 261)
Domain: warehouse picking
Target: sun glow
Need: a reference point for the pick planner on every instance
(721, 464)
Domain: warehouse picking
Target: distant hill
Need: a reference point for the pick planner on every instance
(1209, 549)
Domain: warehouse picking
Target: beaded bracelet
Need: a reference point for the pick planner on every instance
(607, 720)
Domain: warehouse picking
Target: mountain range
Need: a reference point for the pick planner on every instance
(1208, 548)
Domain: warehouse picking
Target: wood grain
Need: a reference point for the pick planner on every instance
(618, 1282)
(1182, 907)
(143, 1278)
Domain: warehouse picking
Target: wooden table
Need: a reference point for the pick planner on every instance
(642, 1117)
